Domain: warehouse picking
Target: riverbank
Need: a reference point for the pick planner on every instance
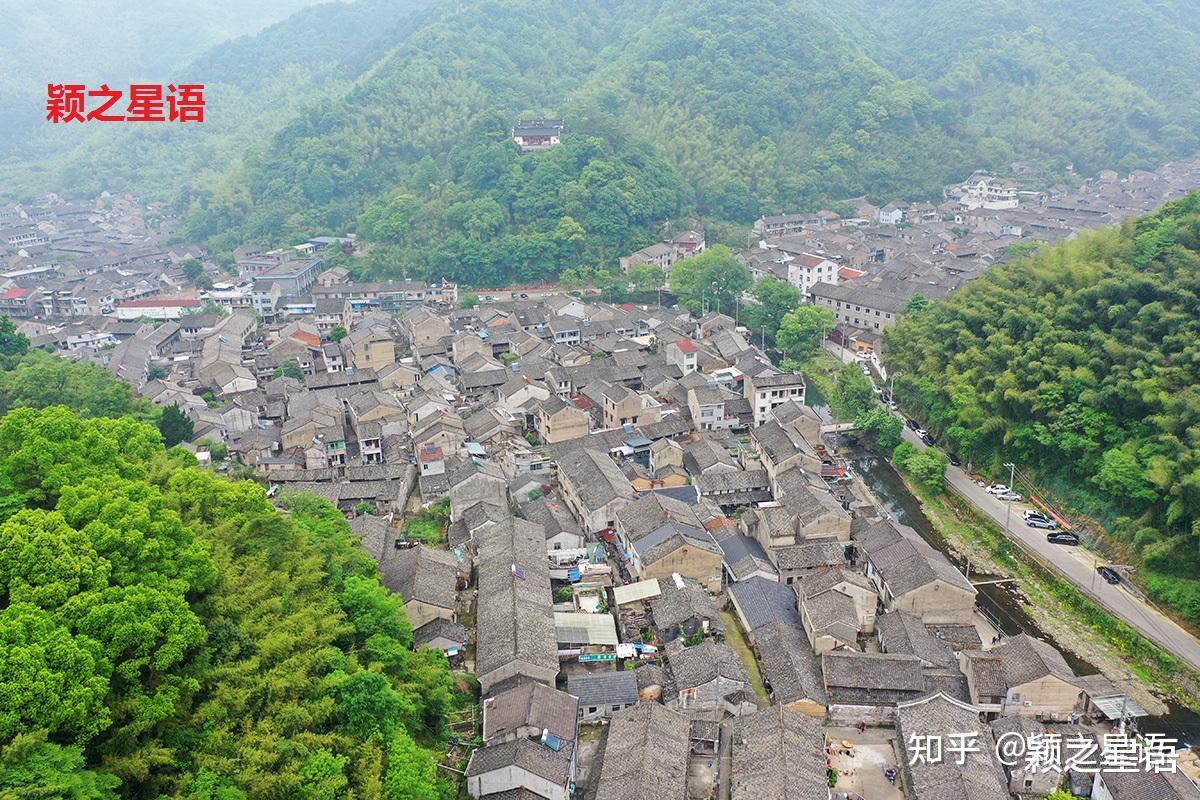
(1077, 624)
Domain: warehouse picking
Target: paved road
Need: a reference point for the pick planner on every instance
(1078, 565)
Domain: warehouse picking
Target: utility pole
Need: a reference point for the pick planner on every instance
(762, 343)
(1012, 469)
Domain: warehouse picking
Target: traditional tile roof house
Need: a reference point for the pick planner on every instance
(562, 532)
(441, 634)
(677, 549)
(800, 560)
(979, 778)
(709, 676)
(745, 558)
(867, 686)
(546, 768)
(757, 601)
(646, 755)
(602, 694)
(1144, 786)
(684, 608)
(1022, 676)
(902, 633)
(515, 624)
(911, 576)
(593, 487)
(527, 710)
(844, 580)
(830, 621)
(791, 672)
(778, 754)
(426, 579)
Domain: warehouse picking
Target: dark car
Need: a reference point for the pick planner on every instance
(954, 462)
(1044, 524)
(912, 424)
(1109, 574)
(928, 440)
(1062, 537)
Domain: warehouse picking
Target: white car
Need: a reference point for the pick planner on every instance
(1009, 497)
(1033, 512)
(922, 433)
(996, 488)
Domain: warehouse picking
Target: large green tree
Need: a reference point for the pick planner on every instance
(775, 299)
(802, 329)
(711, 280)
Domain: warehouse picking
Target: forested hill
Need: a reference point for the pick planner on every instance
(166, 632)
(1083, 364)
(723, 110)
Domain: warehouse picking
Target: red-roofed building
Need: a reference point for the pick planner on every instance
(159, 307)
(850, 273)
(433, 459)
(18, 302)
(682, 353)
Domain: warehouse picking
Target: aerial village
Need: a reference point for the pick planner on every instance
(624, 521)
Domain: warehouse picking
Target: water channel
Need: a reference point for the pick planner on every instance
(1000, 602)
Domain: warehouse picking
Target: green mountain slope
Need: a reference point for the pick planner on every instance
(736, 108)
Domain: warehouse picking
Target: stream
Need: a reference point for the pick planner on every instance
(1000, 602)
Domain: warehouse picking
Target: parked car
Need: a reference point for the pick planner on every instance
(891, 404)
(954, 462)
(1044, 524)
(920, 432)
(1033, 512)
(1009, 497)
(928, 440)
(998, 488)
(912, 424)
(1109, 574)
(1062, 537)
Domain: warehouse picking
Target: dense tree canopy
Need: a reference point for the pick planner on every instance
(1081, 363)
(711, 281)
(192, 640)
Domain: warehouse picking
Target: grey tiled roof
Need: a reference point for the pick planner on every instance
(675, 605)
(809, 555)
(778, 754)
(421, 574)
(646, 755)
(1150, 786)
(1025, 659)
(595, 477)
(789, 667)
(514, 621)
(439, 628)
(833, 614)
(604, 688)
(989, 674)
(537, 758)
(980, 778)
(869, 671)
(651, 511)
(901, 632)
(762, 600)
(704, 662)
(530, 704)
(818, 582)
